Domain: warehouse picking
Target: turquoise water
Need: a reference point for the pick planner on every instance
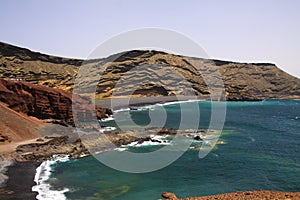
(261, 150)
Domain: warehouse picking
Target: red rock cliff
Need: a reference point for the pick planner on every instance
(42, 102)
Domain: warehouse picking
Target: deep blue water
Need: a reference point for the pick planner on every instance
(261, 150)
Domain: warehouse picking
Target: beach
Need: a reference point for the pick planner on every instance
(20, 181)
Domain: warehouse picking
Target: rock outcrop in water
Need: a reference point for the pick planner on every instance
(242, 81)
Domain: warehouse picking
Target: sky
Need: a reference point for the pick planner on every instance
(243, 31)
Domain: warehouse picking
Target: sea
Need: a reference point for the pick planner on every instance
(258, 149)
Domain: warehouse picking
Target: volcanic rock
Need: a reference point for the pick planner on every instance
(150, 73)
(44, 103)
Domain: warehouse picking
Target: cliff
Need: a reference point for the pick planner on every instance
(42, 102)
(242, 81)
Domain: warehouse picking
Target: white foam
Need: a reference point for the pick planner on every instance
(121, 149)
(178, 102)
(159, 137)
(161, 140)
(151, 107)
(121, 110)
(150, 143)
(43, 173)
(106, 129)
(132, 144)
(146, 108)
(110, 118)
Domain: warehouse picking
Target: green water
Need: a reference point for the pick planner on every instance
(261, 150)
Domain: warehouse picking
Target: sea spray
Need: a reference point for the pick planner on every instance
(42, 176)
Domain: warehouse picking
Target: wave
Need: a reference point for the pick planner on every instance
(179, 102)
(171, 103)
(42, 176)
(151, 107)
(139, 108)
(121, 110)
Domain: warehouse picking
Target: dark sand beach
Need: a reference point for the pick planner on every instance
(20, 181)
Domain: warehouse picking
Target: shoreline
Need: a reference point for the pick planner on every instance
(127, 102)
(20, 187)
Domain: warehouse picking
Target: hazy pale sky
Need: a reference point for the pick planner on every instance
(245, 31)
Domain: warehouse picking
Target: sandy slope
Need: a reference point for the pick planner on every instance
(16, 129)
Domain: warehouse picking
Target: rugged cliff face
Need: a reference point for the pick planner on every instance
(44, 103)
(150, 73)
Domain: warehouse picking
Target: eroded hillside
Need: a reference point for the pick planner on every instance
(149, 73)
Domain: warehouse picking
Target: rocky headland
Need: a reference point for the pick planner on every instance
(55, 140)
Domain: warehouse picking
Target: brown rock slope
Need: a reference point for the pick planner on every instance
(42, 102)
(15, 127)
(150, 73)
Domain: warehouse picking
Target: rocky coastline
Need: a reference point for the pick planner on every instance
(45, 147)
(28, 156)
